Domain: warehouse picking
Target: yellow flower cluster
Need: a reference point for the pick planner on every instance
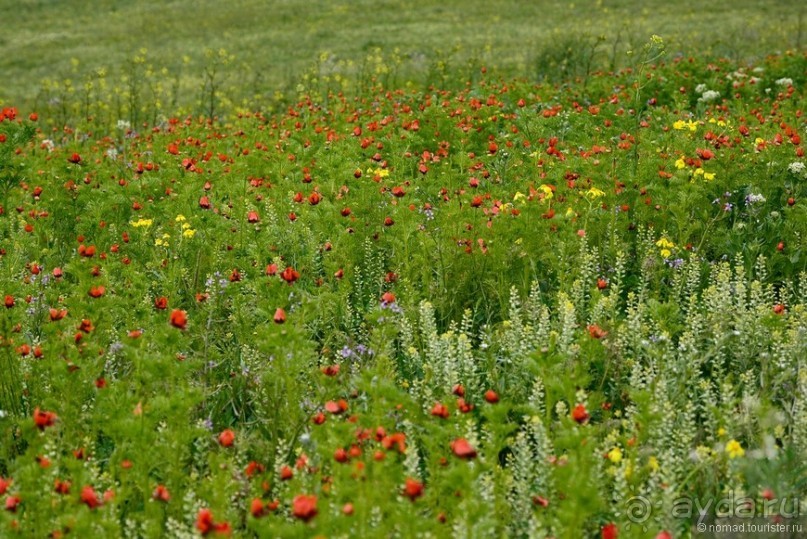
(380, 172)
(548, 194)
(706, 175)
(688, 124)
(141, 223)
(665, 245)
(163, 241)
(595, 193)
(187, 231)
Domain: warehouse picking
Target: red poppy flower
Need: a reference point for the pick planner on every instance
(280, 316)
(289, 275)
(286, 473)
(179, 319)
(9, 302)
(12, 502)
(330, 370)
(252, 217)
(579, 414)
(86, 326)
(74, 158)
(705, 154)
(596, 331)
(463, 449)
(314, 198)
(304, 507)
(227, 438)
(257, 508)
(664, 534)
(413, 489)
(387, 298)
(161, 303)
(254, 468)
(4, 484)
(440, 410)
(397, 440)
(204, 203)
(161, 494)
(491, 396)
(206, 525)
(609, 531)
(44, 419)
(464, 407)
(336, 407)
(56, 314)
(340, 455)
(86, 252)
(97, 291)
(61, 487)
(89, 497)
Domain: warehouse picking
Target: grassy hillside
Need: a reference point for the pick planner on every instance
(274, 42)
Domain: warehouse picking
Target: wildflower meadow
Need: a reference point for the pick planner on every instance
(386, 299)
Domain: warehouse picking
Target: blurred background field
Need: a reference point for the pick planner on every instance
(257, 52)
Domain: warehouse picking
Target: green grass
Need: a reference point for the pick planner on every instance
(275, 42)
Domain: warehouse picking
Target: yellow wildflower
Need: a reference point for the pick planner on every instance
(188, 232)
(689, 124)
(179, 218)
(734, 449)
(680, 163)
(615, 455)
(547, 191)
(380, 172)
(664, 242)
(665, 245)
(595, 193)
(141, 222)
